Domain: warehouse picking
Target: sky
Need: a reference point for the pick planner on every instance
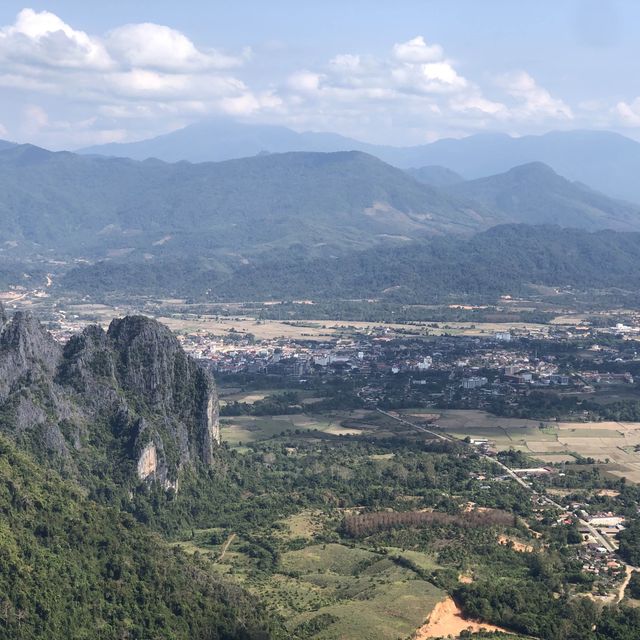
(75, 73)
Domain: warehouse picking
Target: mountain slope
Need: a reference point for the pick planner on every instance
(74, 569)
(436, 176)
(535, 194)
(504, 259)
(127, 404)
(604, 160)
(67, 202)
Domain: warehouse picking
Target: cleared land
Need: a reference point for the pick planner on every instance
(551, 442)
(367, 595)
(446, 619)
(246, 429)
(308, 329)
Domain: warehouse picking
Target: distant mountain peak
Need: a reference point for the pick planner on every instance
(535, 167)
(435, 176)
(533, 193)
(604, 160)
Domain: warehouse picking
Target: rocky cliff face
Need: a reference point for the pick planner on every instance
(129, 399)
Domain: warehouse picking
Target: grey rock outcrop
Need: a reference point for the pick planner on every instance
(129, 397)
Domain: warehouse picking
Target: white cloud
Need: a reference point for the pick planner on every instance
(154, 46)
(305, 81)
(628, 114)
(534, 100)
(475, 102)
(134, 69)
(417, 50)
(433, 77)
(35, 117)
(144, 79)
(250, 103)
(415, 89)
(406, 72)
(44, 39)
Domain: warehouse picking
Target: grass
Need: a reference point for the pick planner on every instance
(326, 558)
(246, 429)
(367, 595)
(304, 524)
(358, 594)
(388, 612)
(421, 560)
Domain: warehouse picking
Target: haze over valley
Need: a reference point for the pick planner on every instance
(319, 321)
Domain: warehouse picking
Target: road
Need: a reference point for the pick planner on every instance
(225, 546)
(602, 540)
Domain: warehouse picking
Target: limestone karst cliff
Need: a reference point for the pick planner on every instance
(127, 401)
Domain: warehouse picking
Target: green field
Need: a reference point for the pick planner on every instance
(241, 430)
(330, 591)
(359, 594)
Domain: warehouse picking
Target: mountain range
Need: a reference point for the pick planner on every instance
(435, 175)
(604, 160)
(534, 194)
(96, 207)
(71, 203)
(506, 259)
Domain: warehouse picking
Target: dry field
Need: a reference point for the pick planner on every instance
(556, 441)
(245, 429)
(308, 329)
(446, 620)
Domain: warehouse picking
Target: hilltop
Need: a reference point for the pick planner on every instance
(126, 404)
(535, 194)
(604, 160)
(63, 202)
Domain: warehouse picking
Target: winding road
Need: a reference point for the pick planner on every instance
(602, 540)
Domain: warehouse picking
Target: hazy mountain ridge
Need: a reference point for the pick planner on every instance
(535, 194)
(436, 176)
(97, 206)
(219, 140)
(604, 160)
(67, 202)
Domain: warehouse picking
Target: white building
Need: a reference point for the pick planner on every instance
(474, 382)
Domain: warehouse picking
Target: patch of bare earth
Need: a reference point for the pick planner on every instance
(446, 619)
(516, 545)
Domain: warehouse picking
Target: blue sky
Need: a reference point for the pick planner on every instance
(77, 73)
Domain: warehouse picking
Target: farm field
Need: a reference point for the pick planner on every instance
(231, 395)
(246, 429)
(361, 594)
(307, 329)
(551, 442)
(334, 590)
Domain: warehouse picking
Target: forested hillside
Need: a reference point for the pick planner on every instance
(505, 259)
(63, 203)
(73, 569)
(535, 194)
